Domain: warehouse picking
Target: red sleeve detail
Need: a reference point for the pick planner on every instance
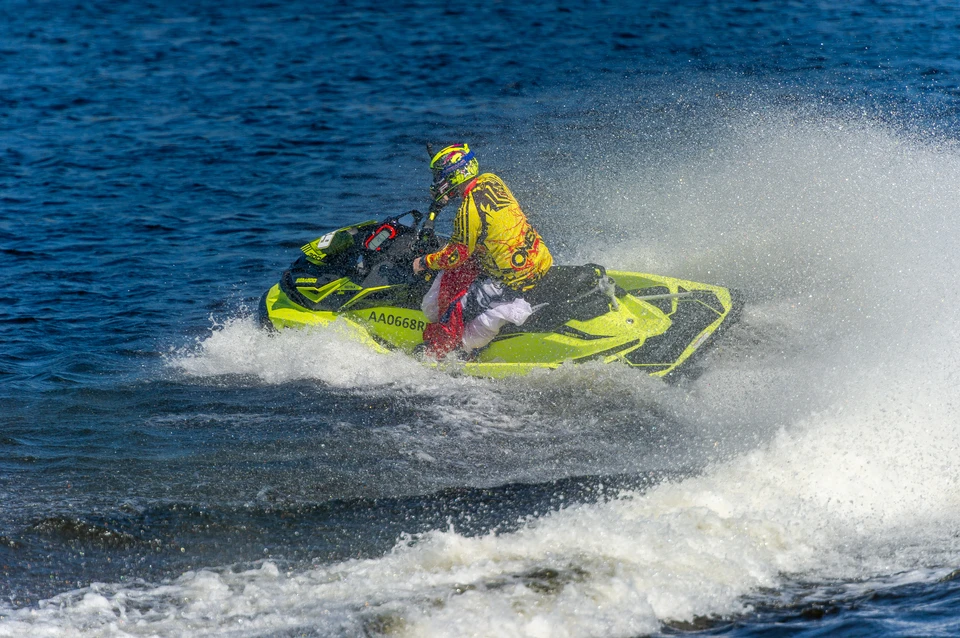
(448, 257)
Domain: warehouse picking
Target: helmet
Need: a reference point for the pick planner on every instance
(451, 167)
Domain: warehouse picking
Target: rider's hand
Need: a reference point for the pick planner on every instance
(418, 265)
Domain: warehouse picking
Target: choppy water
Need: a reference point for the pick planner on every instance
(166, 469)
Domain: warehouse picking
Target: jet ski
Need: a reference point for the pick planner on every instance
(359, 279)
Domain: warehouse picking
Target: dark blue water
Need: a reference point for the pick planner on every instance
(167, 469)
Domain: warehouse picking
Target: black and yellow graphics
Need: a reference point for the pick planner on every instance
(491, 226)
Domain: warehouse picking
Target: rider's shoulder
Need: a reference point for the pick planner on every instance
(489, 184)
(488, 178)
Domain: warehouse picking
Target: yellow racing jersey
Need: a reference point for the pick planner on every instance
(491, 227)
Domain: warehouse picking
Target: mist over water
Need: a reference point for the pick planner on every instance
(837, 229)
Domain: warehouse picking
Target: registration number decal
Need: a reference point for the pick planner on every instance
(394, 320)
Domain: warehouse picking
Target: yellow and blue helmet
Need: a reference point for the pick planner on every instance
(451, 167)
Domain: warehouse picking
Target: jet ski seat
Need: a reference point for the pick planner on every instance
(568, 292)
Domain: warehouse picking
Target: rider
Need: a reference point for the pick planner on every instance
(492, 244)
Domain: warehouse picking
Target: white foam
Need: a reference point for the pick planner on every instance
(326, 354)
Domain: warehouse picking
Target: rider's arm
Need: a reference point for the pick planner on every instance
(448, 257)
(462, 243)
